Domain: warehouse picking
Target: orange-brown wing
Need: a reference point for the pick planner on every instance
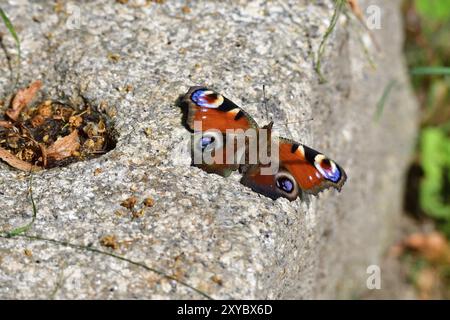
(299, 169)
(209, 153)
(205, 109)
(312, 170)
(274, 186)
(209, 115)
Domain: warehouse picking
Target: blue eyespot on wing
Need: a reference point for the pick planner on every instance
(207, 98)
(328, 169)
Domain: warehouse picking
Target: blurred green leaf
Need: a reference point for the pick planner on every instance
(435, 154)
(433, 9)
(443, 71)
(9, 25)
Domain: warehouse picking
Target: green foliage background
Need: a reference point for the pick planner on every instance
(427, 50)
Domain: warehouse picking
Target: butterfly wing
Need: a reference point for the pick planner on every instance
(209, 153)
(212, 110)
(300, 169)
(312, 170)
(269, 184)
(209, 115)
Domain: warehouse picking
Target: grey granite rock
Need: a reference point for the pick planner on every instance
(132, 61)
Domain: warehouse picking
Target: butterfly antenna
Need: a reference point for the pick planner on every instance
(300, 121)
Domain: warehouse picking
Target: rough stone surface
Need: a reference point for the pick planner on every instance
(210, 232)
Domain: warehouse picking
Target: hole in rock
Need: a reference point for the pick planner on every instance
(51, 134)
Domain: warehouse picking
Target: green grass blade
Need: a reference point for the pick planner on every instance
(116, 256)
(382, 102)
(19, 232)
(440, 71)
(25, 228)
(321, 50)
(13, 33)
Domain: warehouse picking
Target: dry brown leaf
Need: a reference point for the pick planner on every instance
(149, 202)
(22, 98)
(396, 250)
(6, 124)
(45, 109)
(186, 10)
(64, 147)
(426, 280)
(129, 203)
(37, 121)
(44, 154)
(138, 213)
(75, 121)
(433, 246)
(217, 279)
(110, 241)
(415, 241)
(356, 9)
(17, 163)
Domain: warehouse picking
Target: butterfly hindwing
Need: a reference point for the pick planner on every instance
(312, 170)
(274, 186)
(300, 168)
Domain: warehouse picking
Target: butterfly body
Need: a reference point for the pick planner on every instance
(217, 125)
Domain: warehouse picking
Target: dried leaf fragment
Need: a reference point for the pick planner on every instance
(50, 133)
(44, 154)
(129, 203)
(45, 110)
(110, 241)
(148, 132)
(14, 162)
(37, 121)
(64, 147)
(186, 10)
(75, 121)
(22, 98)
(427, 279)
(114, 57)
(356, 9)
(149, 202)
(5, 124)
(138, 213)
(433, 246)
(217, 280)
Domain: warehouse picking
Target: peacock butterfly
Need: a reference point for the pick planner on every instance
(225, 136)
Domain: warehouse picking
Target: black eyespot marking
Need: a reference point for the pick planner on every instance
(326, 164)
(213, 96)
(239, 115)
(294, 147)
(206, 141)
(310, 154)
(285, 184)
